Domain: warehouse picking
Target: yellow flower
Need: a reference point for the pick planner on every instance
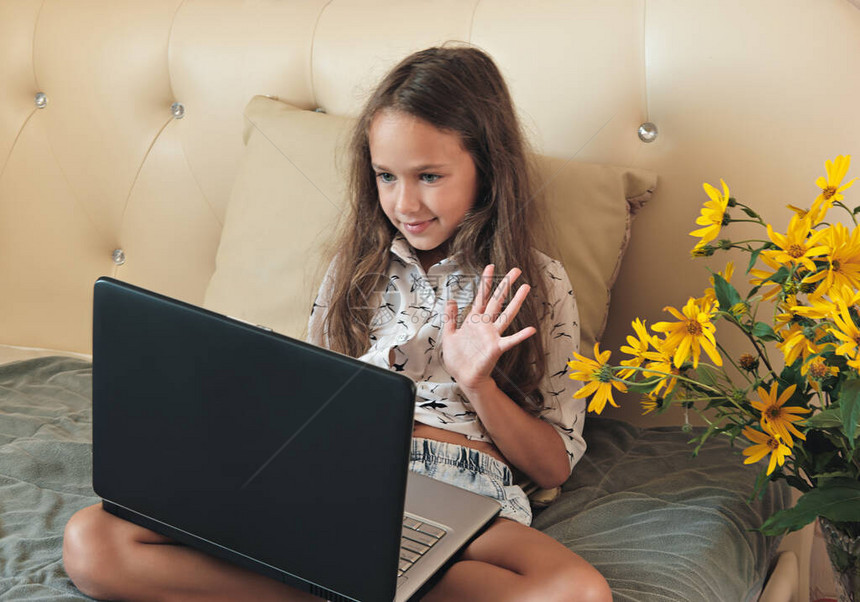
(831, 186)
(843, 257)
(831, 191)
(777, 418)
(636, 346)
(661, 366)
(713, 214)
(649, 404)
(796, 343)
(597, 375)
(710, 293)
(820, 308)
(815, 370)
(760, 278)
(796, 246)
(846, 331)
(765, 443)
(693, 333)
(848, 295)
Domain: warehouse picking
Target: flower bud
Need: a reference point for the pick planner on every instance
(790, 287)
(748, 362)
(738, 396)
(808, 287)
(733, 202)
(702, 251)
(740, 309)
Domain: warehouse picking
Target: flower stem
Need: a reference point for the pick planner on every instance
(731, 359)
(761, 352)
(850, 212)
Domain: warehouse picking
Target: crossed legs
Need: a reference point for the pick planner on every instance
(112, 559)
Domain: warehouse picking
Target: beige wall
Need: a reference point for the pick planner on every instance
(758, 93)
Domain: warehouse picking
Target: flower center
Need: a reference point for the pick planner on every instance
(818, 370)
(829, 192)
(773, 413)
(773, 443)
(694, 328)
(796, 251)
(835, 265)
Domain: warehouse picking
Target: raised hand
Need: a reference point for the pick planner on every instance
(470, 352)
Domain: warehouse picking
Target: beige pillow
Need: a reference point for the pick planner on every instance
(284, 204)
(591, 209)
(289, 193)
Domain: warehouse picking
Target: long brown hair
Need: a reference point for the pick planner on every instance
(456, 89)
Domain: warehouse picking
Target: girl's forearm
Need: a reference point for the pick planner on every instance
(529, 443)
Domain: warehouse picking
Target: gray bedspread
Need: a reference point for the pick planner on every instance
(658, 524)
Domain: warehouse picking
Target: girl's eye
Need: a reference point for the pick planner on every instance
(385, 177)
(430, 178)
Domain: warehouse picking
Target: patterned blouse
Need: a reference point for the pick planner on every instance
(408, 320)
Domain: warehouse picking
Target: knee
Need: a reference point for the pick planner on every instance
(580, 583)
(88, 552)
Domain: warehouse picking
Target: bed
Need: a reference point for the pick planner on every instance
(177, 144)
(686, 532)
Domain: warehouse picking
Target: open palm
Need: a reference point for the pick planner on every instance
(471, 351)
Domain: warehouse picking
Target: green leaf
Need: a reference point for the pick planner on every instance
(750, 212)
(837, 499)
(797, 483)
(727, 295)
(841, 474)
(849, 403)
(641, 388)
(779, 277)
(754, 255)
(764, 332)
(707, 375)
(761, 482)
(826, 419)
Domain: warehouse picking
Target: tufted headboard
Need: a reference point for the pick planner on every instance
(121, 123)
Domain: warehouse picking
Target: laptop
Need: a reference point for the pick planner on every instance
(269, 452)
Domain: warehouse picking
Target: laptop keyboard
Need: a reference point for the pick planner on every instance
(416, 539)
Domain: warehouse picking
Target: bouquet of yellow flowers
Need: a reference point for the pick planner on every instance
(803, 301)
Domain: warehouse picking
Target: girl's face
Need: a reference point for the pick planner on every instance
(426, 180)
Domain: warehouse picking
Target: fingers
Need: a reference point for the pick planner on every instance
(494, 306)
(450, 323)
(508, 342)
(513, 308)
(484, 286)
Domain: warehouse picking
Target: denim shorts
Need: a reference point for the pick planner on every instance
(473, 470)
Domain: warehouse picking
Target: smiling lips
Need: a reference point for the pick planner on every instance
(417, 227)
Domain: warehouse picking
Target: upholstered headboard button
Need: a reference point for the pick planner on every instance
(178, 110)
(647, 132)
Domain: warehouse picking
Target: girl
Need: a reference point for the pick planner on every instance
(440, 193)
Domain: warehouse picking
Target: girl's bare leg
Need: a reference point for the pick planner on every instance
(513, 562)
(110, 558)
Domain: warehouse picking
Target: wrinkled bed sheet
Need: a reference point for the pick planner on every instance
(660, 525)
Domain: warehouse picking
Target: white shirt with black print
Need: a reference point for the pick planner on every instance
(410, 310)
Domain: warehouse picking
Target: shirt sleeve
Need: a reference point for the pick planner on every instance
(317, 333)
(561, 410)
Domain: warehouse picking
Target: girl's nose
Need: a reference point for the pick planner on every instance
(408, 201)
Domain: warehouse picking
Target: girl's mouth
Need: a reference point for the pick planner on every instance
(417, 227)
